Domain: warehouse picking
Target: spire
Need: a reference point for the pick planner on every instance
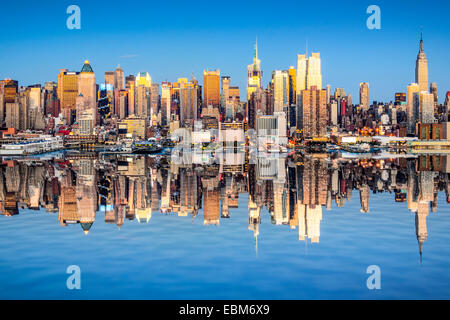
(256, 49)
(420, 250)
(421, 42)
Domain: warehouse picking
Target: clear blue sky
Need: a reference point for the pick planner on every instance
(173, 39)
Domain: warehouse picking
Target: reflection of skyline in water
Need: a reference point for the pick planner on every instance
(82, 188)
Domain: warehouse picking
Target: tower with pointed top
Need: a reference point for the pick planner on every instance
(86, 103)
(422, 68)
(254, 74)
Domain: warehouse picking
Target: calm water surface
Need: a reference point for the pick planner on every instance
(281, 228)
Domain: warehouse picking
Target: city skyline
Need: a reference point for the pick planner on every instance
(384, 58)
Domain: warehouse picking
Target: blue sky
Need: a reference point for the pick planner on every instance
(180, 38)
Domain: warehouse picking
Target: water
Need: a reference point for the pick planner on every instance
(188, 249)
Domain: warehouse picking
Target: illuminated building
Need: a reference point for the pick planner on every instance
(119, 79)
(133, 127)
(87, 91)
(68, 93)
(280, 81)
(188, 103)
(254, 74)
(424, 107)
(312, 113)
(411, 90)
(422, 68)
(309, 72)
(166, 102)
(364, 95)
(110, 78)
(143, 79)
(211, 88)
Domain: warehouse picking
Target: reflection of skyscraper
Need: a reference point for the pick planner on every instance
(211, 197)
(364, 197)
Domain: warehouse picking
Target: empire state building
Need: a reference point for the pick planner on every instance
(422, 68)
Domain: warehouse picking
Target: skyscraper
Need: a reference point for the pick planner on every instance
(280, 82)
(312, 113)
(424, 106)
(119, 78)
(143, 79)
(87, 91)
(254, 74)
(410, 109)
(110, 78)
(188, 103)
(211, 88)
(422, 68)
(67, 93)
(364, 95)
(309, 72)
(434, 91)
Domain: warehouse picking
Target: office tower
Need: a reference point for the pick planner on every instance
(258, 103)
(434, 91)
(280, 83)
(50, 99)
(68, 93)
(400, 98)
(312, 113)
(36, 120)
(411, 90)
(424, 107)
(142, 101)
(110, 78)
(334, 113)
(422, 68)
(154, 99)
(314, 71)
(292, 85)
(143, 79)
(271, 129)
(105, 102)
(188, 103)
(446, 106)
(309, 72)
(302, 66)
(9, 89)
(328, 93)
(119, 79)
(123, 104)
(166, 102)
(254, 74)
(339, 93)
(364, 95)
(8, 93)
(17, 113)
(211, 88)
(87, 91)
(130, 80)
(225, 91)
